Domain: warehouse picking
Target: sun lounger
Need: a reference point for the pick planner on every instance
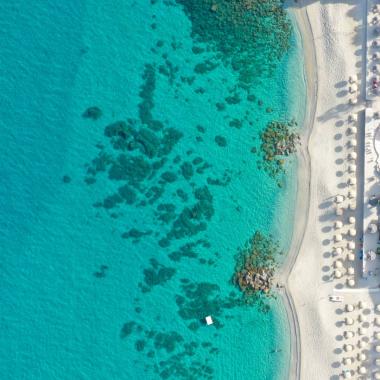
(336, 298)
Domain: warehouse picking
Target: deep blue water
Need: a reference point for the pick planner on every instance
(102, 283)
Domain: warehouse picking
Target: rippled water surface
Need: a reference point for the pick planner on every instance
(131, 176)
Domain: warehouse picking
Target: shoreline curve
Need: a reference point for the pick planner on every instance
(302, 204)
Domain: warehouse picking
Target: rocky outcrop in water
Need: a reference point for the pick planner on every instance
(255, 266)
(256, 279)
(278, 141)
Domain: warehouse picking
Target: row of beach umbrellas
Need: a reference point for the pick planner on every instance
(353, 89)
(338, 237)
(351, 206)
(352, 157)
(362, 331)
(339, 250)
(339, 199)
(351, 220)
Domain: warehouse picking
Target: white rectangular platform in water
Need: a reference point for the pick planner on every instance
(209, 320)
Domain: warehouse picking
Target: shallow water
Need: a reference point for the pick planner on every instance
(117, 239)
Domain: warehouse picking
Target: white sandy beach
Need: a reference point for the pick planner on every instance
(334, 42)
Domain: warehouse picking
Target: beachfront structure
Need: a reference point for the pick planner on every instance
(371, 198)
(372, 54)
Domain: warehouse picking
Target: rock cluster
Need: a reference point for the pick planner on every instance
(278, 141)
(255, 266)
(256, 280)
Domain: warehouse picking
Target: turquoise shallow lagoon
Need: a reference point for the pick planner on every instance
(118, 235)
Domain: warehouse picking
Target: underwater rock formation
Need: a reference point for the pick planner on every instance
(256, 265)
(66, 179)
(278, 140)
(249, 35)
(157, 274)
(93, 113)
(221, 141)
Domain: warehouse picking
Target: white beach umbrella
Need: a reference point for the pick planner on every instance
(372, 228)
(352, 232)
(338, 264)
(351, 270)
(362, 318)
(347, 361)
(377, 375)
(352, 168)
(353, 88)
(350, 307)
(377, 323)
(377, 362)
(352, 181)
(347, 374)
(353, 143)
(351, 283)
(361, 357)
(351, 193)
(352, 206)
(339, 199)
(362, 370)
(348, 347)
(337, 273)
(362, 331)
(339, 211)
(338, 224)
(352, 156)
(352, 130)
(362, 344)
(351, 220)
(351, 245)
(338, 237)
(348, 334)
(349, 321)
(377, 336)
(378, 308)
(353, 117)
(353, 78)
(362, 305)
(353, 100)
(351, 257)
(338, 251)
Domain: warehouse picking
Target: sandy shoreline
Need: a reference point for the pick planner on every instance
(303, 182)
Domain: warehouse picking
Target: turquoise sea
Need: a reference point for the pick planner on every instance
(119, 228)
